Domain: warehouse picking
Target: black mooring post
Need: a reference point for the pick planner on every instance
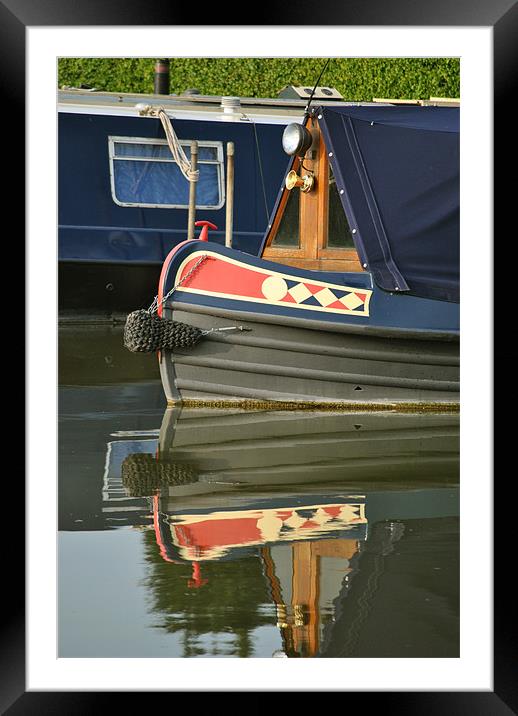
(161, 77)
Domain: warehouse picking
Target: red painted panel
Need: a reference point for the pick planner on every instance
(219, 532)
(224, 277)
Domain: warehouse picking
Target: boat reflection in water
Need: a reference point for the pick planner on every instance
(307, 552)
(287, 447)
(323, 500)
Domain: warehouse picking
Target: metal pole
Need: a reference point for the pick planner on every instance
(230, 194)
(192, 192)
(161, 78)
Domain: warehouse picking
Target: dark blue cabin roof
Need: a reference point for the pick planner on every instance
(398, 168)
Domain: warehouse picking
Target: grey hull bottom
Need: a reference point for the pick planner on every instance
(270, 362)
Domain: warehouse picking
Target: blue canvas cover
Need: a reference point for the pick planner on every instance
(399, 171)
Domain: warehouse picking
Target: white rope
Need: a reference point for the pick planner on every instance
(176, 148)
(172, 140)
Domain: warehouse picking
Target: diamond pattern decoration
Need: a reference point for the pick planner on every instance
(305, 294)
(317, 517)
(300, 292)
(351, 301)
(325, 297)
(294, 521)
(211, 536)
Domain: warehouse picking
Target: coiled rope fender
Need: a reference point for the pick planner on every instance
(146, 332)
(142, 475)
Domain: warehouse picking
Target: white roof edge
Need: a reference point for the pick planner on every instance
(193, 107)
(211, 114)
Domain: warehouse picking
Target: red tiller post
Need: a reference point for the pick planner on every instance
(204, 234)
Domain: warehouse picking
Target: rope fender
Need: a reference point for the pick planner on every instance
(142, 475)
(148, 333)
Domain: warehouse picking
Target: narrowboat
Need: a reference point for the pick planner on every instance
(123, 203)
(353, 297)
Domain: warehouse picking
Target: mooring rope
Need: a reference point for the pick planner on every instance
(176, 148)
(172, 140)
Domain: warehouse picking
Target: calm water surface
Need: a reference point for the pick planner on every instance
(186, 533)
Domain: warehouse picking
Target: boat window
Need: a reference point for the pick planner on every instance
(339, 234)
(288, 231)
(144, 173)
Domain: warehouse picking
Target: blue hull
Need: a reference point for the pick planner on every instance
(331, 337)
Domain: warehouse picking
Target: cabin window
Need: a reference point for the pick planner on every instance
(288, 231)
(144, 173)
(338, 232)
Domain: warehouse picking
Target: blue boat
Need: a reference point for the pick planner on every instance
(123, 203)
(354, 294)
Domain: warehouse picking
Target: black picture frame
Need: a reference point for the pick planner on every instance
(502, 16)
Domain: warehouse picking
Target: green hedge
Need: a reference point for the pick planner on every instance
(357, 79)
